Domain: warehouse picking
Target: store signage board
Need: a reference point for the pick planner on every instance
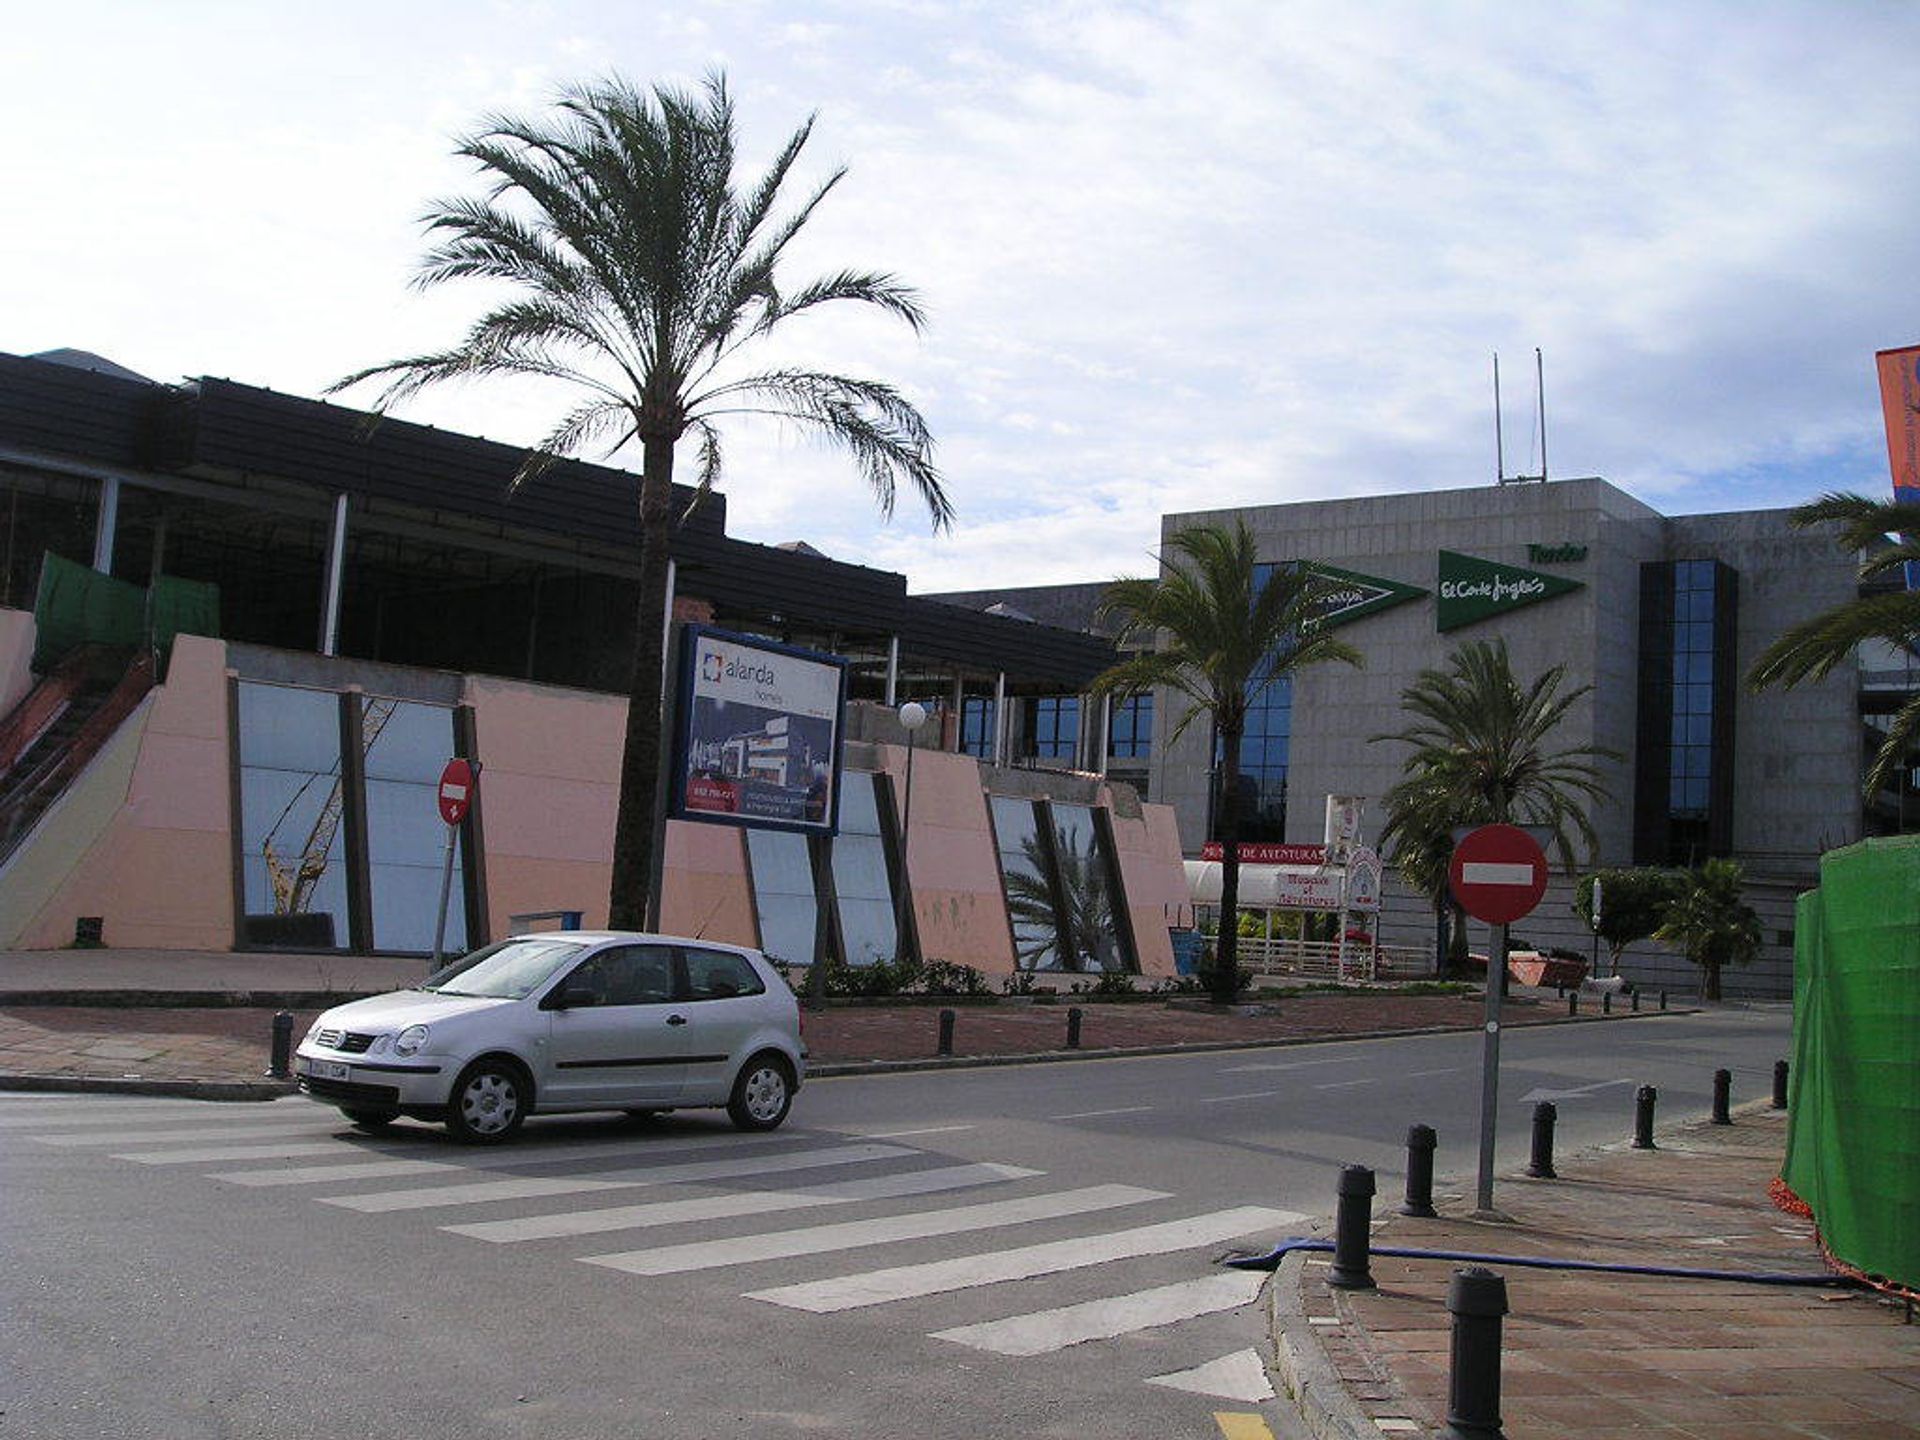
(1261, 852)
(1498, 874)
(759, 736)
(1355, 596)
(1472, 589)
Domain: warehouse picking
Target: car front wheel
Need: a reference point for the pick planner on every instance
(489, 1101)
(762, 1093)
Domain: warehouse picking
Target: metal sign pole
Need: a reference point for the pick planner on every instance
(1490, 1068)
(446, 892)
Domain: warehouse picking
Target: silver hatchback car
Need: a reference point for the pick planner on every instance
(565, 1021)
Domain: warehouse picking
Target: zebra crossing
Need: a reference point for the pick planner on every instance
(554, 1190)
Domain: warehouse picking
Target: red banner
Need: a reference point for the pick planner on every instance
(1900, 404)
(1265, 853)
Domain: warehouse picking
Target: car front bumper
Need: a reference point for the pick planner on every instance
(354, 1080)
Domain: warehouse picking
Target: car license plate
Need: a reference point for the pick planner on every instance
(326, 1069)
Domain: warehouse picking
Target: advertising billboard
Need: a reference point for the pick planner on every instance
(758, 742)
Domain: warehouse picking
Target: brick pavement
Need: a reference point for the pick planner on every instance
(1605, 1356)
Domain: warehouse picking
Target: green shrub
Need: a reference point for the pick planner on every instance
(946, 977)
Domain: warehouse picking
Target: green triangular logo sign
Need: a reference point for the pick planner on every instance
(1472, 589)
(1356, 595)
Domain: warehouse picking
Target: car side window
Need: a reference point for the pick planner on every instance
(719, 975)
(627, 975)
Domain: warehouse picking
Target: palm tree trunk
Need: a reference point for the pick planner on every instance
(634, 828)
(1710, 970)
(1226, 972)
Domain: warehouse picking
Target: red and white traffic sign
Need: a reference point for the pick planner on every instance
(456, 791)
(1498, 873)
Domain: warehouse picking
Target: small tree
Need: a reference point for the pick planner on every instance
(1709, 923)
(1633, 906)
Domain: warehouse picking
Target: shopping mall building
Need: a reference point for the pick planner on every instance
(336, 608)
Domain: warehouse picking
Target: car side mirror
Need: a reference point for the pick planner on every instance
(573, 997)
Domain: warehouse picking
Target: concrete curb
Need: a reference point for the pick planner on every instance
(180, 1089)
(182, 999)
(1301, 1367)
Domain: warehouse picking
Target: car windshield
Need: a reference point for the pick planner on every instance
(510, 970)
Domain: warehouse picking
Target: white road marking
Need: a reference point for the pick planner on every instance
(528, 1187)
(72, 1116)
(1046, 1331)
(1347, 1084)
(820, 1239)
(1096, 1114)
(1578, 1093)
(1292, 1064)
(1446, 1070)
(1250, 1095)
(1240, 1376)
(293, 1150)
(878, 1287)
(903, 1134)
(318, 1174)
(240, 1131)
(749, 1202)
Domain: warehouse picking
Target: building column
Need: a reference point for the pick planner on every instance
(335, 575)
(999, 746)
(108, 518)
(1106, 735)
(893, 670)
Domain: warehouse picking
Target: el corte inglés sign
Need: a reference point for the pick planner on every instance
(1354, 596)
(1472, 589)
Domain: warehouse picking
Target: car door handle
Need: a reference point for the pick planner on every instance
(676, 1019)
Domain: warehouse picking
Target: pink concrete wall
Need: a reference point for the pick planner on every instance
(1155, 879)
(161, 873)
(958, 903)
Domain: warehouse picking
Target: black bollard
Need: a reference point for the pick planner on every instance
(1573, 1002)
(946, 1032)
(1421, 1142)
(1352, 1231)
(1606, 1002)
(1663, 999)
(1540, 1167)
(1476, 1299)
(1779, 1084)
(1635, 998)
(1722, 1096)
(279, 1067)
(1073, 1028)
(1643, 1099)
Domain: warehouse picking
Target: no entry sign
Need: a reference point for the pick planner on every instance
(1498, 874)
(456, 791)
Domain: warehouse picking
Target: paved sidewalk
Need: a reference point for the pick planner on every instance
(1607, 1356)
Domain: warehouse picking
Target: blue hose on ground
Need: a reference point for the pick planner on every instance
(1271, 1261)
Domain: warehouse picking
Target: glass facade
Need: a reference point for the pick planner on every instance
(862, 885)
(293, 860)
(976, 727)
(783, 894)
(1062, 899)
(1265, 747)
(1024, 872)
(1683, 801)
(1053, 727)
(1130, 732)
(1085, 864)
(341, 851)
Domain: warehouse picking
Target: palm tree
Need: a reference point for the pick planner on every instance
(1480, 753)
(1811, 649)
(1223, 636)
(637, 273)
(1082, 938)
(1711, 924)
(1417, 840)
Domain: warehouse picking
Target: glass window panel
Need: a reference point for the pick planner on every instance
(292, 840)
(628, 975)
(862, 888)
(718, 975)
(1700, 669)
(1697, 793)
(1085, 876)
(1029, 895)
(783, 894)
(1699, 730)
(406, 746)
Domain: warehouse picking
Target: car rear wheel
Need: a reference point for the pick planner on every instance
(762, 1093)
(370, 1120)
(489, 1101)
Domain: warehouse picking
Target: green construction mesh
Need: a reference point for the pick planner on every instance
(1853, 1131)
(77, 606)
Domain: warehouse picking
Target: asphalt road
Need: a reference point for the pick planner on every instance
(910, 1256)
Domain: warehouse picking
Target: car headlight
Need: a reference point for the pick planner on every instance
(410, 1041)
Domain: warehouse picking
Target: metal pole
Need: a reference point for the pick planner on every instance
(999, 717)
(336, 573)
(893, 668)
(1490, 1070)
(1106, 734)
(1421, 1143)
(446, 891)
(105, 524)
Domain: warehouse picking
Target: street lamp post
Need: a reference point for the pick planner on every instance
(912, 716)
(1594, 908)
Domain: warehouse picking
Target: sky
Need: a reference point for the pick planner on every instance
(1176, 256)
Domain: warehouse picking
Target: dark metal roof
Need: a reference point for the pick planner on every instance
(221, 430)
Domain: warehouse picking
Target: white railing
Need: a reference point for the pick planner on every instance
(1320, 959)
